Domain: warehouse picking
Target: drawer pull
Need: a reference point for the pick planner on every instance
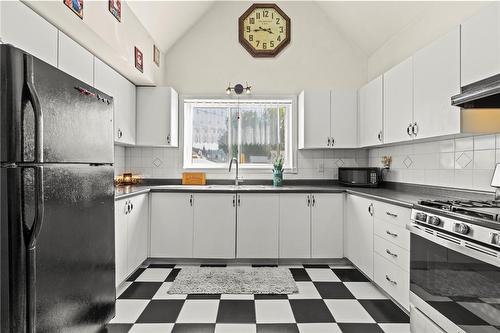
(391, 233)
(392, 214)
(394, 255)
(394, 283)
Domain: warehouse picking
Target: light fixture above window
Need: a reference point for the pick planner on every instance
(239, 89)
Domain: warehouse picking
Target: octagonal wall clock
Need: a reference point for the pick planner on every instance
(264, 30)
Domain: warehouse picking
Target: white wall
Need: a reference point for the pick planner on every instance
(209, 56)
(440, 18)
(104, 36)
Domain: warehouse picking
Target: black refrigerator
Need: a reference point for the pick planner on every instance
(57, 261)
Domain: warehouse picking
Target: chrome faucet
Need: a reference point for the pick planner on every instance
(236, 179)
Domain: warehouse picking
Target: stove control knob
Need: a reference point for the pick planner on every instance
(434, 220)
(462, 228)
(495, 238)
(421, 217)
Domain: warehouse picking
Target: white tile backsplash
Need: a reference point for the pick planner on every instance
(119, 160)
(466, 162)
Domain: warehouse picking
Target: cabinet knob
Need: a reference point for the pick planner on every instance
(408, 130)
(370, 209)
(394, 283)
(414, 129)
(333, 142)
(168, 139)
(329, 140)
(379, 136)
(308, 201)
(120, 133)
(191, 200)
(313, 200)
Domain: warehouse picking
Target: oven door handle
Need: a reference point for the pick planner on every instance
(460, 248)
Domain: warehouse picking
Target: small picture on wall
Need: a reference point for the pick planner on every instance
(139, 59)
(156, 55)
(76, 6)
(115, 8)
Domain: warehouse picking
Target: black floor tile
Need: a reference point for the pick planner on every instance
(359, 328)
(350, 275)
(136, 274)
(161, 266)
(385, 311)
(315, 266)
(141, 290)
(333, 290)
(194, 328)
(311, 311)
(457, 313)
(277, 328)
(161, 311)
(214, 265)
(203, 296)
(270, 296)
(172, 275)
(236, 312)
(300, 274)
(116, 328)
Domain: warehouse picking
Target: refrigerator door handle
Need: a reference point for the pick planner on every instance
(39, 208)
(37, 108)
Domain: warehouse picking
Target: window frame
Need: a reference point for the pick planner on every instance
(290, 133)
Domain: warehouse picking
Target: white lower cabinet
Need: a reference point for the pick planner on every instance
(131, 235)
(172, 225)
(394, 280)
(327, 221)
(295, 226)
(257, 225)
(214, 226)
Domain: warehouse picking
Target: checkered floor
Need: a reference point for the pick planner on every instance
(330, 299)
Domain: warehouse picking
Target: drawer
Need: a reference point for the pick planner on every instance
(393, 233)
(391, 213)
(394, 280)
(393, 253)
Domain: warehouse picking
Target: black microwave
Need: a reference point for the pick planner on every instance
(363, 177)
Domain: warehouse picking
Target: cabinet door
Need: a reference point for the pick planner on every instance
(436, 79)
(127, 110)
(171, 225)
(121, 235)
(105, 79)
(75, 60)
(157, 109)
(398, 102)
(214, 226)
(28, 31)
(480, 44)
(359, 233)
(370, 113)
(327, 220)
(344, 118)
(258, 218)
(138, 232)
(314, 119)
(295, 226)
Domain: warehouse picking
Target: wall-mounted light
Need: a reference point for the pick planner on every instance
(239, 89)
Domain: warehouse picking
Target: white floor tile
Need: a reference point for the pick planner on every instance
(319, 328)
(348, 311)
(364, 290)
(322, 274)
(341, 266)
(162, 293)
(273, 311)
(151, 328)
(237, 296)
(395, 328)
(235, 328)
(198, 311)
(128, 310)
(154, 275)
(307, 290)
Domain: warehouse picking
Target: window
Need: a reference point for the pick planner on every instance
(253, 131)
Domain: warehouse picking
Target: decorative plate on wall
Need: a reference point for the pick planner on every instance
(264, 30)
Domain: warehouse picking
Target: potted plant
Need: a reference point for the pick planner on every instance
(278, 170)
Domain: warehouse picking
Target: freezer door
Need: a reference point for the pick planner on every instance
(43, 109)
(70, 284)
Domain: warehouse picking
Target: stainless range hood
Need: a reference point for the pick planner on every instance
(480, 103)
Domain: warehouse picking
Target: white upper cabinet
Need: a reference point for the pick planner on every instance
(326, 118)
(157, 116)
(124, 98)
(371, 113)
(481, 45)
(23, 28)
(436, 70)
(75, 60)
(344, 118)
(398, 102)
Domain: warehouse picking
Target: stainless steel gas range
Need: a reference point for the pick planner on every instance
(455, 266)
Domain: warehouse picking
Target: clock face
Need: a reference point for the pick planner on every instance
(264, 30)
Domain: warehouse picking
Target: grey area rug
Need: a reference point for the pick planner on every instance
(234, 280)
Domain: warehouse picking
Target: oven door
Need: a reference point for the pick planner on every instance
(456, 280)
